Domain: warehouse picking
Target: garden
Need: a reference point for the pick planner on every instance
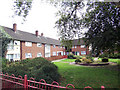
(69, 71)
(80, 76)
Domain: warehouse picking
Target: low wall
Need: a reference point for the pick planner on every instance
(56, 57)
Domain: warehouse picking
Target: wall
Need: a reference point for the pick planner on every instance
(79, 49)
(15, 50)
(33, 49)
(56, 49)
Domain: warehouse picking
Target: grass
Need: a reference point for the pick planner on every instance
(82, 76)
(112, 60)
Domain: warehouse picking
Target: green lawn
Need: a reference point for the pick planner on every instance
(81, 76)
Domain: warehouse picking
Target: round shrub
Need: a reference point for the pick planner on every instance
(38, 68)
(71, 56)
(4, 62)
(88, 61)
(105, 60)
(84, 58)
(77, 61)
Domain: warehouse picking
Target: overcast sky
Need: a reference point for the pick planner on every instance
(41, 18)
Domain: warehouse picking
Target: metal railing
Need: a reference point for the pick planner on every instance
(23, 83)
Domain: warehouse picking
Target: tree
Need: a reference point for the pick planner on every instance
(4, 40)
(102, 21)
(103, 27)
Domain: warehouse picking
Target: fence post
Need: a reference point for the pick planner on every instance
(25, 82)
(102, 88)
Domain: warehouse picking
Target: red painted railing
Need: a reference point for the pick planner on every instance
(19, 82)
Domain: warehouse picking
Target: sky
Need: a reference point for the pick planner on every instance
(41, 17)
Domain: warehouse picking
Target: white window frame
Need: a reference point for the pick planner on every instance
(17, 56)
(29, 55)
(39, 45)
(75, 46)
(39, 54)
(17, 43)
(82, 46)
(83, 52)
(72, 46)
(54, 46)
(54, 53)
(10, 46)
(29, 44)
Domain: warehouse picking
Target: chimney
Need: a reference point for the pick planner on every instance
(41, 34)
(14, 27)
(36, 33)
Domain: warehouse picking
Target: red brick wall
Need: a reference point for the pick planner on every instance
(33, 49)
(79, 49)
(56, 49)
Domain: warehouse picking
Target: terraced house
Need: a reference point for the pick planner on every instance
(27, 45)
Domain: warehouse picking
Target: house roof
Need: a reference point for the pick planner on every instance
(78, 42)
(25, 36)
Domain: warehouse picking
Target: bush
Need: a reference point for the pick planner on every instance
(105, 60)
(87, 61)
(112, 55)
(4, 62)
(77, 61)
(38, 68)
(84, 58)
(71, 56)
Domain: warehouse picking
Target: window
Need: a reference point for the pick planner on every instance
(54, 53)
(63, 47)
(10, 46)
(39, 45)
(54, 46)
(64, 53)
(59, 46)
(28, 55)
(28, 43)
(83, 52)
(75, 46)
(82, 46)
(16, 42)
(72, 46)
(16, 55)
(39, 55)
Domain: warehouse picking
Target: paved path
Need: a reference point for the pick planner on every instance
(58, 60)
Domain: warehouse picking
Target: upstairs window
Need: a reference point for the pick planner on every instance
(16, 42)
(75, 46)
(28, 44)
(39, 45)
(59, 46)
(54, 46)
(10, 46)
(82, 46)
(72, 46)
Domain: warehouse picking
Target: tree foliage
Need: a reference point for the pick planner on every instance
(101, 20)
(5, 39)
(22, 7)
(103, 25)
(69, 21)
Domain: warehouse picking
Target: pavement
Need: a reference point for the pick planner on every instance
(57, 60)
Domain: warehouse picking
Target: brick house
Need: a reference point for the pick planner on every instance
(79, 47)
(27, 45)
